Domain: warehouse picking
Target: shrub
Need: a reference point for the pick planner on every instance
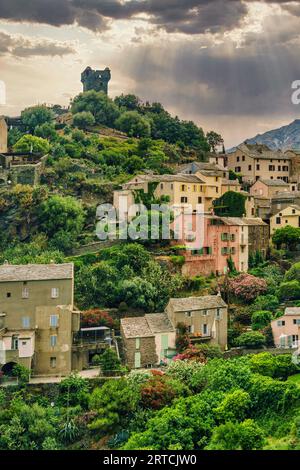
(110, 363)
(251, 339)
(22, 373)
(260, 319)
(73, 390)
(289, 290)
(246, 287)
(159, 391)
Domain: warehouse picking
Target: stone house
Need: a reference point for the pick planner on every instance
(148, 340)
(205, 317)
(268, 188)
(288, 216)
(256, 161)
(286, 329)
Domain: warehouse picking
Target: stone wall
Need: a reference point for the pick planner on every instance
(147, 350)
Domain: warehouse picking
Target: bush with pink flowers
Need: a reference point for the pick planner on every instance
(246, 287)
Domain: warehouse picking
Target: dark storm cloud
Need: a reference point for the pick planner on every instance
(19, 46)
(186, 16)
(219, 81)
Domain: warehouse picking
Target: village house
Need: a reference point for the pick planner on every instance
(182, 190)
(205, 317)
(256, 161)
(288, 216)
(219, 159)
(284, 199)
(268, 188)
(225, 240)
(148, 340)
(286, 329)
(39, 325)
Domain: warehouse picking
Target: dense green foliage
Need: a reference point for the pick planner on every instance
(231, 204)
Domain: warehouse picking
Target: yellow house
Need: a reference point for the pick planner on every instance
(288, 216)
(182, 190)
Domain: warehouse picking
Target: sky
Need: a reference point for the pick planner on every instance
(227, 65)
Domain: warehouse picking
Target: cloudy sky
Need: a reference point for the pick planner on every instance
(228, 65)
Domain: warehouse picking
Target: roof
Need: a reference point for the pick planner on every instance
(253, 221)
(184, 178)
(286, 195)
(262, 152)
(276, 182)
(36, 272)
(292, 311)
(147, 326)
(197, 303)
(238, 220)
(201, 166)
(292, 206)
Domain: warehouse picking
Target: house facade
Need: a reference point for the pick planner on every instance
(286, 329)
(148, 340)
(223, 239)
(256, 161)
(205, 317)
(288, 216)
(268, 188)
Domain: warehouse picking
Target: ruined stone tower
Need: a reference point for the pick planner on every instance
(3, 135)
(96, 79)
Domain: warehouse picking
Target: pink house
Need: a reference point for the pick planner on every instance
(286, 329)
(223, 238)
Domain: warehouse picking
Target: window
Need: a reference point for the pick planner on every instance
(183, 187)
(281, 323)
(53, 341)
(258, 167)
(217, 190)
(218, 314)
(54, 292)
(8, 295)
(195, 188)
(237, 159)
(249, 167)
(162, 186)
(25, 293)
(271, 167)
(191, 329)
(188, 314)
(205, 329)
(233, 250)
(52, 362)
(199, 200)
(237, 169)
(279, 168)
(232, 237)
(25, 322)
(294, 211)
(14, 343)
(205, 313)
(278, 220)
(243, 158)
(296, 321)
(137, 343)
(53, 321)
(172, 185)
(184, 200)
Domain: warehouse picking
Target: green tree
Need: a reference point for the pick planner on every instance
(84, 120)
(237, 436)
(98, 104)
(46, 131)
(30, 143)
(134, 124)
(293, 273)
(129, 102)
(62, 219)
(36, 116)
(114, 404)
(234, 406)
(260, 319)
(251, 339)
(110, 363)
(214, 140)
(231, 204)
(289, 290)
(288, 236)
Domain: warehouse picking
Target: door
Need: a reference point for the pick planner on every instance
(164, 346)
(137, 360)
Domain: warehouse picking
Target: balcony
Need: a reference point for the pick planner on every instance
(199, 337)
(92, 339)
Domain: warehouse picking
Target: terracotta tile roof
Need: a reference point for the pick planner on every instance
(197, 303)
(146, 326)
(184, 178)
(292, 311)
(36, 272)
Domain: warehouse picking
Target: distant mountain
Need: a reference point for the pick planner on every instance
(284, 138)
